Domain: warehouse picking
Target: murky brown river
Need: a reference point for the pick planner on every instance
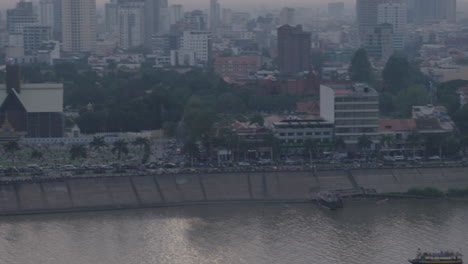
(362, 233)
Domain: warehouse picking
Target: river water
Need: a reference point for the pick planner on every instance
(362, 233)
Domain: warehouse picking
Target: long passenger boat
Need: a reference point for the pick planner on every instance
(442, 257)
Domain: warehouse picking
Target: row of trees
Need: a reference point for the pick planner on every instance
(80, 151)
(401, 84)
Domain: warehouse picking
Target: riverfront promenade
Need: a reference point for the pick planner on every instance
(136, 191)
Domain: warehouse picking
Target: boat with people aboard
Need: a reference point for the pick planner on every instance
(442, 257)
(330, 200)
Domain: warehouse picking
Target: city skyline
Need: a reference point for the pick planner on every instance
(205, 3)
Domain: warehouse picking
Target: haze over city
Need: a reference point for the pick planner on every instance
(240, 131)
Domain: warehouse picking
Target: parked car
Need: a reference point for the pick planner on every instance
(434, 158)
(399, 158)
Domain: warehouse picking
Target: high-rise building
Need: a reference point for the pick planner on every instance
(199, 43)
(57, 30)
(434, 11)
(287, 16)
(176, 14)
(336, 10)
(354, 109)
(293, 49)
(214, 14)
(156, 19)
(34, 36)
(395, 14)
(131, 23)
(47, 13)
(21, 16)
(197, 20)
(111, 15)
(367, 16)
(378, 42)
(79, 25)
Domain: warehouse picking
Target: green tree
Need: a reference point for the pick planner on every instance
(339, 144)
(311, 146)
(396, 74)
(274, 143)
(11, 148)
(361, 69)
(98, 143)
(141, 142)
(257, 119)
(199, 116)
(191, 149)
(414, 140)
(364, 142)
(407, 98)
(78, 151)
(36, 154)
(120, 147)
(460, 117)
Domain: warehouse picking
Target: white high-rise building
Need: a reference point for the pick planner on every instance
(354, 109)
(287, 16)
(131, 24)
(19, 17)
(156, 19)
(176, 14)
(47, 13)
(215, 12)
(79, 25)
(395, 14)
(198, 42)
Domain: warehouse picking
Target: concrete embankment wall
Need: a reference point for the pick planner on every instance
(74, 194)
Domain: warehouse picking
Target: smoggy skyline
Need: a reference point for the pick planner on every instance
(201, 4)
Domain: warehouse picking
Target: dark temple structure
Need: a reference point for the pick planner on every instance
(33, 109)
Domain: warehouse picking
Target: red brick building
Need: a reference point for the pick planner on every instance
(236, 67)
(304, 85)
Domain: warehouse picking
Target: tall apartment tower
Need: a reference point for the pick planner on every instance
(156, 19)
(287, 16)
(176, 14)
(395, 14)
(366, 15)
(21, 16)
(434, 11)
(214, 14)
(79, 25)
(57, 30)
(131, 23)
(111, 16)
(47, 13)
(293, 49)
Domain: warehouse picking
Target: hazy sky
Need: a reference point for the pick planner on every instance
(204, 3)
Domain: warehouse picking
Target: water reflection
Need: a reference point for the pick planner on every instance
(362, 233)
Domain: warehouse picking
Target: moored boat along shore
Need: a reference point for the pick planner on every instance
(153, 190)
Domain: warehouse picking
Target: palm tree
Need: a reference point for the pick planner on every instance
(141, 142)
(36, 154)
(78, 151)
(414, 139)
(11, 147)
(339, 143)
(120, 146)
(191, 148)
(274, 144)
(98, 143)
(311, 144)
(386, 140)
(364, 142)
